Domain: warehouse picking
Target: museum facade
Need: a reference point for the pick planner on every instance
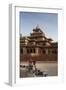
(38, 46)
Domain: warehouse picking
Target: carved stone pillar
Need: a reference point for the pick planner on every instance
(46, 51)
(24, 50)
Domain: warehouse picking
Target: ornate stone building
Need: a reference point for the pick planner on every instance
(38, 47)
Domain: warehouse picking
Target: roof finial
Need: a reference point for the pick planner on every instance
(37, 27)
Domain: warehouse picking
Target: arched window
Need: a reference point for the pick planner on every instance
(43, 51)
(54, 51)
(33, 50)
(21, 50)
(30, 50)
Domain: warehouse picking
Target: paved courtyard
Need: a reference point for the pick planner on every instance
(51, 68)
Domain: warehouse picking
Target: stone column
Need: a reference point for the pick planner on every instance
(46, 51)
(24, 50)
(37, 50)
